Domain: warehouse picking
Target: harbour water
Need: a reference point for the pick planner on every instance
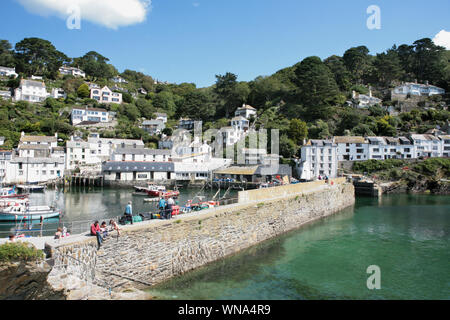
(407, 236)
(85, 205)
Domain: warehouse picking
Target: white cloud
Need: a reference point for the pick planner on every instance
(109, 13)
(443, 39)
(196, 4)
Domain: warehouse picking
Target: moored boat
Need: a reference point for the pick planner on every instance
(31, 188)
(11, 193)
(155, 191)
(4, 203)
(24, 212)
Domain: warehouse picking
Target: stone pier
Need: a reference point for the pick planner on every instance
(153, 251)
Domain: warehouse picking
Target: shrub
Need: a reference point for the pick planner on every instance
(16, 251)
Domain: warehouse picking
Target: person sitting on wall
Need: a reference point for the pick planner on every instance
(95, 231)
(114, 226)
(129, 212)
(58, 233)
(104, 229)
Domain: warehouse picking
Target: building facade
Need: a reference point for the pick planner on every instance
(106, 95)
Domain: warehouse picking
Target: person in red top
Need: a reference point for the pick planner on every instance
(95, 231)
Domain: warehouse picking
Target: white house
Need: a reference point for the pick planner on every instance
(119, 79)
(5, 94)
(137, 171)
(231, 135)
(65, 70)
(240, 123)
(34, 170)
(31, 91)
(80, 115)
(134, 164)
(398, 148)
(318, 158)
(161, 116)
(365, 101)
(7, 72)
(352, 148)
(142, 155)
(245, 111)
(58, 93)
(186, 123)
(153, 126)
(39, 160)
(417, 89)
(445, 145)
(426, 145)
(106, 95)
(93, 152)
(5, 158)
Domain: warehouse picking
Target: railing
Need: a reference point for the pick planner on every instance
(49, 228)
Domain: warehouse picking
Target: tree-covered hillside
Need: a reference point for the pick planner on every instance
(307, 100)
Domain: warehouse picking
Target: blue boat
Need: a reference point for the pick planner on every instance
(22, 212)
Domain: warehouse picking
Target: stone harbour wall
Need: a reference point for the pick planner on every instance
(151, 252)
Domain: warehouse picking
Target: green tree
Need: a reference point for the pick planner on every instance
(317, 89)
(6, 54)
(341, 74)
(298, 130)
(358, 62)
(231, 93)
(83, 91)
(95, 65)
(39, 57)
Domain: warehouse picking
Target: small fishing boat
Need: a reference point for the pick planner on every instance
(156, 191)
(4, 203)
(24, 212)
(31, 188)
(11, 193)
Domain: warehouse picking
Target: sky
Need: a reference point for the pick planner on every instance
(194, 40)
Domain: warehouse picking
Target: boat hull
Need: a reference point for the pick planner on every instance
(29, 216)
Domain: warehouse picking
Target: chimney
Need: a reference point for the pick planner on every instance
(415, 81)
(370, 93)
(56, 135)
(426, 82)
(353, 94)
(22, 134)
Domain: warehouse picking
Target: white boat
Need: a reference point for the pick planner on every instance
(4, 203)
(24, 212)
(31, 188)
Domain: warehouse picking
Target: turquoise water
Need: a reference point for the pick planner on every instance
(407, 236)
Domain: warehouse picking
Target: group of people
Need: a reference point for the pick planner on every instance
(166, 207)
(102, 231)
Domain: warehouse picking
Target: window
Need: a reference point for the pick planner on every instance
(44, 172)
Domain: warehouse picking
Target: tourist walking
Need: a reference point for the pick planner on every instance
(95, 231)
(129, 212)
(162, 207)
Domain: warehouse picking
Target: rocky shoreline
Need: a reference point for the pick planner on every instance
(421, 185)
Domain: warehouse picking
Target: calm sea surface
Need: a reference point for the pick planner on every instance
(407, 236)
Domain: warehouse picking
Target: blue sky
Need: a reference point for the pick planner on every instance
(193, 40)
